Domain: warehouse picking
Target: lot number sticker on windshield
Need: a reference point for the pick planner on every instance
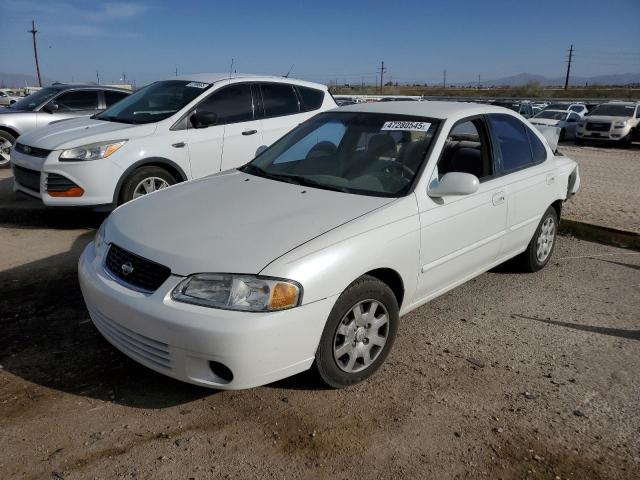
(197, 85)
(411, 126)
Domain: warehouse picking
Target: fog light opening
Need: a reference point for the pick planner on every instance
(221, 371)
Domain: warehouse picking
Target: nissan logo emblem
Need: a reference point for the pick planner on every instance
(27, 149)
(127, 268)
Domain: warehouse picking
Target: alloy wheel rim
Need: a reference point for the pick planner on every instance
(546, 239)
(361, 336)
(149, 185)
(5, 147)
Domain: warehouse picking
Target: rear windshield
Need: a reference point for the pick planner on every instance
(551, 115)
(36, 99)
(613, 110)
(155, 102)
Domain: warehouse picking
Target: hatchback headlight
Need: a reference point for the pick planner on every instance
(620, 124)
(93, 151)
(238, 292)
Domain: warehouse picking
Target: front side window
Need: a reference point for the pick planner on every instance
(512, 140)
(311, 98)
(35, 99)
(78, 100)
(466, 150)
(360, 153)
(279, 99)
(231, 104)
(154, 102)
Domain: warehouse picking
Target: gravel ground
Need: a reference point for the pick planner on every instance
(610, 189)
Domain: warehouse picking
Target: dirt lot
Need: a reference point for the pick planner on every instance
(509, 376)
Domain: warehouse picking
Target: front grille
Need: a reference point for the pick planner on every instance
(32, 151)
(27, 178)
(142, 273)
(137, 346)
(598, 126)
(58, 183)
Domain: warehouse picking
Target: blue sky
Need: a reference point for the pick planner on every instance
(328, 40)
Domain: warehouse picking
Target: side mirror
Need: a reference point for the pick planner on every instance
(203, 119)
(51, 107)
(454, 183)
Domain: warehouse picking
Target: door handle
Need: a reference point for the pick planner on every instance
(551, 178)
(249, 132)
(178, 145)
(498, 198)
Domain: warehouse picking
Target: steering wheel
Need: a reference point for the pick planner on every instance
(398, 166)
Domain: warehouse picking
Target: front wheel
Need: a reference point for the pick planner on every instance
(143, 181)
(539, 250)
(6, 142)
(359, 333)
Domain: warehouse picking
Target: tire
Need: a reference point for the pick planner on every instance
(6, 142)
(579, 142)
(132, 187)
(348, 353)
(563, 135)
(540, 248)
(626, 141)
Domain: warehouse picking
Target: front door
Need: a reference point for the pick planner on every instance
(71, 104)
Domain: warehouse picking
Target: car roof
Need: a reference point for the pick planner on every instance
(556, 110)
(431, 109)
(217, 77)
(78, 86)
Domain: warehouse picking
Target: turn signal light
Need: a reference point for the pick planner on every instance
(72, 192)
(284, 295)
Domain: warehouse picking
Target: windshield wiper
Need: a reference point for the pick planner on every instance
(115, 119)
(250, 168)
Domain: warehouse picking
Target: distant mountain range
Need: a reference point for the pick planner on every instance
(524, 78)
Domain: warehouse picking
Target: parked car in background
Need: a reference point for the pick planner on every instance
(308, 255)
(564, 120)
(7, 97)
(523, 108)
(611, 122)
(579, 108)
(341, 102)
(170, 131)
(50, 104)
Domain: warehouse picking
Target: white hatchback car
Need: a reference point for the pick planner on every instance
(310, 253)
(165, 133)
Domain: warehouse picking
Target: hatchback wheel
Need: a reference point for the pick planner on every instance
(6, 142)
(359, 333)
(145, 180)
(538, 253)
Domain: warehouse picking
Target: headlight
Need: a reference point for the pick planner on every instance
(93, 151)
(620, 124)
(98, 241)
(238, 292)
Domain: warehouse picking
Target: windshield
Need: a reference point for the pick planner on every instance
(362, 153)
(557, 106)
(551, 115)
(36, 99)
(609, 110)
(154, 102)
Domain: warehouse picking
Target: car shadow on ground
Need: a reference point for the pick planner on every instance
(614, 332)
(48, 339)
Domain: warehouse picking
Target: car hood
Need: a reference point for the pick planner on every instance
(544, 121)
(230, 222)
(605, 118)
(76, 132)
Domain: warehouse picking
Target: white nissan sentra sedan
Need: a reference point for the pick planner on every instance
(310, 254)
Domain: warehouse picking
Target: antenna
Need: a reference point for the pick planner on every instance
(287, 75)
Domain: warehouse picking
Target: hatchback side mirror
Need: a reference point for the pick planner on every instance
(203, 119)
(454, 183)
(51, 107)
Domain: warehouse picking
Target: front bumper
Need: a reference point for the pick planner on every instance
(98, 179)
(179, 340)
(614, 134)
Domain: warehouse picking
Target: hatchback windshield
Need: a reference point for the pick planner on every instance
(34, 100)
(361, 153)
(551, 115)
(155, 102)
(609, 110)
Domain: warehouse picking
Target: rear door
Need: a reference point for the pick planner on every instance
(529, 178)
(282, 110)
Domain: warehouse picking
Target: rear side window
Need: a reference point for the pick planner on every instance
(512, 138)
(78, 100)
(537, 148)
(111, 97)
(311, 98)
(232, 104)
(279, 99)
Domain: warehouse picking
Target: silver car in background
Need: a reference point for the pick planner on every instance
(50, 104)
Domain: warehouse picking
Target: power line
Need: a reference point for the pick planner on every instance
(381, 71)
(33, 32)
(566, 80)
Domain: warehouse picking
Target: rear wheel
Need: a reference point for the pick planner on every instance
(145, 180)
(6, 142)
(563, 135)
(359, 333)
(540, 248)
(579, 142)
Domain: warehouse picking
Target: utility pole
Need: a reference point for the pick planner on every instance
(566, 80)
(176, 71)
(381, 70)
(478, 81)
(124, 78)
(98, 76)
(444, 79)
(33, 32)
